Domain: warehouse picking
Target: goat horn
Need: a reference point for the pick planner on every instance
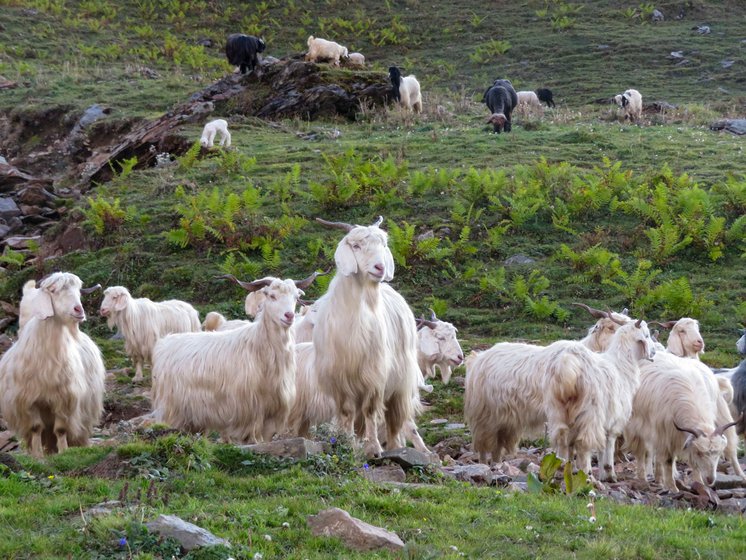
(306, 302)
(378, 222)
(339, 225)
(424, 322)
(655, 334)
(432, 314)
(596, 313)
(638, 324)
(610, 315)
(666, 325)
(303, 284)
(624, 311)
(695, 433)
(721, 430)
(248, 286)
(92, 289)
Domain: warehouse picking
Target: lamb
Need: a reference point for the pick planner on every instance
(631, 103)
(528, 100)
(142, 322)
(52, 378)
(438, 348)
(356, 59)
(365, 339)
(504, 396)
(243, 51)
(588, 395)
(500, 99)
(545, 95)
(405, 90)
(213, 127)
(239, 382)
(323, 49)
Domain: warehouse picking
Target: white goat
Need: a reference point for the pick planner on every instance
(588, 396)
(504, 397)
(528, 100)
(323, 49)
(213, 127)
(142, 322)
(52, 378)
(356, 59)
(215, 321)
(365, 339)
(405, 90)
(631, 103)
(438, 348)
(239, 382)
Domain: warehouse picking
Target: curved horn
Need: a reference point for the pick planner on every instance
(596, 313)
(424, 322)
(378, 222)
(303, 284)
(666, 325)
(610, 315)
(339, 225)
(638, 323)
(86, 291)
(695, 433)
(719, 431)
(248, 286)
(432, 314)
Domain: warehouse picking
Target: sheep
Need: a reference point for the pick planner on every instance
(438, 348)
(674, 398)
(356, 59)
(545, 95)
(588, 395)
(213, 127)
(52, 378)
(242, 51)
(365, 339)
(504, 396)
(405, 90)
(142, 322)
(500, 99)
(215, 321)
(239, 382)
(528, 100)
(631, 103)
(323, 49)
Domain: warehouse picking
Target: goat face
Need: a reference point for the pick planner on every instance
(605, 328)
(685, 339)
(280, 300)
(59, 296)
(643, 347)
(498, 122)
(704, 452)
(116, 298)
(364, 250)
(440, 343)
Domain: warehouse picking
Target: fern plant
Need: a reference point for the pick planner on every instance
(594, 264)
(105, 217)
(528, 292)
(636, 285)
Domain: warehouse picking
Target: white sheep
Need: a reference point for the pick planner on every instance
(142, 322)
(405, 90)
(438, 348)
(504, 397)
(212, 128)
(528, 100)
(631, 103)
(239, 382)
(365, 339)
(588, 395)
(323, 49)
(356, 59)
(52, 378)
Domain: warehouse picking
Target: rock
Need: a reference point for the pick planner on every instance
(603, 47)
(5, 343)
(657, 16)
(518, 486)
(660, 106)
(735, 126)
(475, 474)
(11, 176)
(519, 259)
(677, 55)
(727, 63)
(355, 533)
(409, 457)
(533, 468)
(455, 426)
(724, 494)
(701, 29)
(733, 505)
(510, 470)
(188, 535)
(22, 242)
(9, 461)
(72, 239)
(385, 473)
(429, 234)
(725, 481)
(452, 446)
(8, 208)
(104, 508)
(501, 480)
(438, 421)
(294, 448)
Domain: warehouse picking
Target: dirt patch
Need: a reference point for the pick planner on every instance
(111, 467)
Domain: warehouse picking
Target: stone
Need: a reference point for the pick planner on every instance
(104, 508)
(35, 193)
(384, 473)
(733, 505)
(439, 421)
(8, 208)
(22, 241)
(409, 457)
(72, 239)
(455, 426)
(519, 259)
(293, 448)
(677, 54)
(475, 474)
(508, 469)
(355, 533)
(726, 481)
(452, 446)
(657, 16)
(727, 63)
(188, 535)
(702, 29)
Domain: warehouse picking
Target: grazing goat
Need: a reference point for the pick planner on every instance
(208, 133)
(588, 395)
(52, 378)
(243, 51)
(438, 348)
(142, 322)
(545, 95)
(239, 382)
(323, 49)
(528, 100)
(500, 99)
(356, 59)
(631, 103)
(365, 339)
(504, 397)
(405, 90)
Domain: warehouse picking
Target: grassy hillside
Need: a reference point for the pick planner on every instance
(649, 216)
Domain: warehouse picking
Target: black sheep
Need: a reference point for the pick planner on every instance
(501, 99)
(395, 76)
(243, 51)
(545, 95)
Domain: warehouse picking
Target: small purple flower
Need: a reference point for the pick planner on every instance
(366, 466)
(332, 440)
(123, 542)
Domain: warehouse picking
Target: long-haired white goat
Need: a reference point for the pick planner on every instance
(438, 348)
(143, 322)
(52, 378)
(238, 382)
(365, 339)
(504, 398)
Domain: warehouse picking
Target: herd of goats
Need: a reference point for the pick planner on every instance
(359, 358)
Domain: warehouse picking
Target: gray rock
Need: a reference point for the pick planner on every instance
(657, 16)
(518, 486)
(475, 474)
(409, 457)
(4, 230)
(294, 448)
(702, 29)
(8, 208)
(21, 241)
(726, 481)
(355, 533)
(104, 508)
(188, 535)
(519, 259)
(455, 426)
(385, 473)
(727, 63)
(735, 126)
(439, 421)
(733, 505)
(677, 54)
(603, 47)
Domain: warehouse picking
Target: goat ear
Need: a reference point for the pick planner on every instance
(121, 302)
(254, 302)
(40, 304)
(674, 344)
(428, 342)
(345, 259)
(388, 264)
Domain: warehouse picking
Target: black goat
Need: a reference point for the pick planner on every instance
(500, 99)
(395, 76)
(545, 95)
(243, 51)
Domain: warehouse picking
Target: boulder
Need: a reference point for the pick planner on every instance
(355, 533)
(409, 457)
(294, 448)
(188, 535)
